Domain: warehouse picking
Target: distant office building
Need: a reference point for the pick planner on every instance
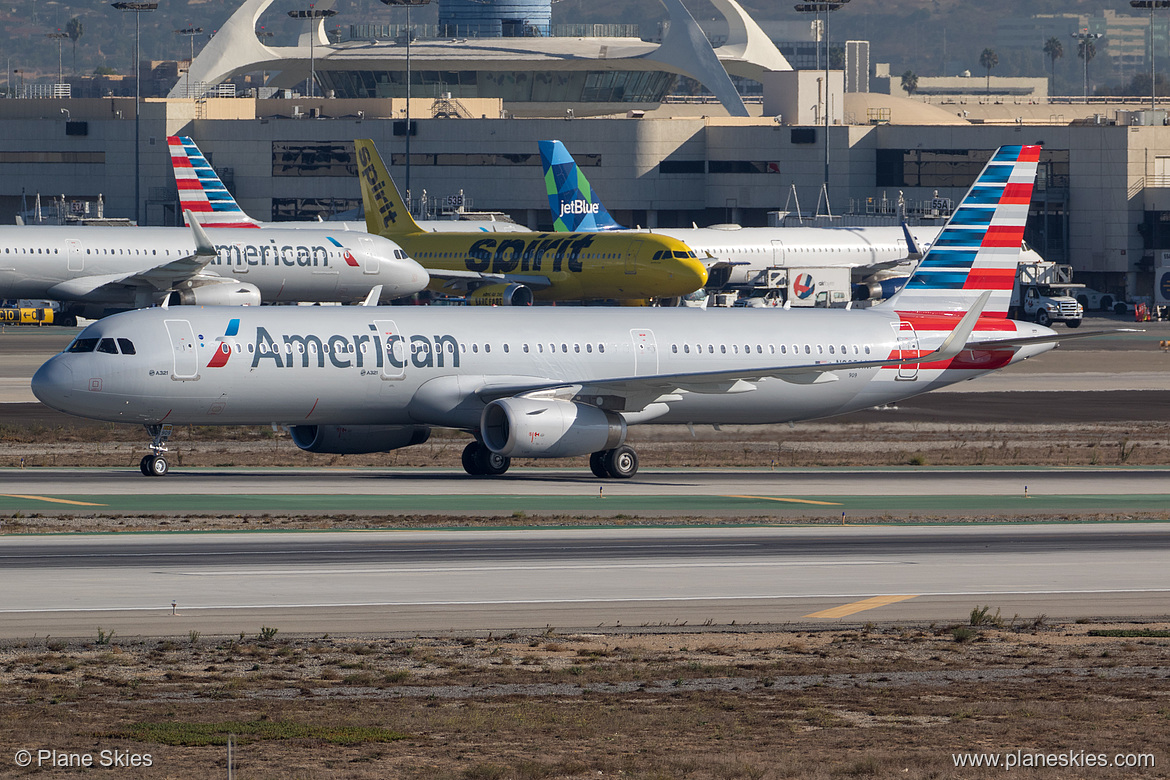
(503, 18)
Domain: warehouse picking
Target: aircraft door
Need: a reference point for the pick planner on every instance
(75, 257)
(238, 256)
(632, 257)
(777, 253)
(907, 347)
(395, 349)
(645, 353)
(183, 347)
(370, 263)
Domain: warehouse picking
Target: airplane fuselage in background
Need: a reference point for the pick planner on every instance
(137, 266)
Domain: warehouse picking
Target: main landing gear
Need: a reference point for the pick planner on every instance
(479, 461)
(618, 463)
(154, 464)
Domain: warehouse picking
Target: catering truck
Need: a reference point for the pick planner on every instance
(1045, 293)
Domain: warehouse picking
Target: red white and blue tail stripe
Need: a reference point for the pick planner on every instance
(200, 189)
(979, 248)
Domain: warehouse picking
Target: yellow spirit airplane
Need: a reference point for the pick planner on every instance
(514, 269)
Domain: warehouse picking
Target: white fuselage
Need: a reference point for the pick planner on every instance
(111, 264)
(425, 366)
(752, 251)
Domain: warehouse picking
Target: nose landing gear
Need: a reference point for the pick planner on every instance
(155, 464)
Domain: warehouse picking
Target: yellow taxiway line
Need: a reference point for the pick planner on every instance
(789, 500)
(859, 606)
(50, 500)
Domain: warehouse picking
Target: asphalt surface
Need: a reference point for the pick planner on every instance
(506, 580)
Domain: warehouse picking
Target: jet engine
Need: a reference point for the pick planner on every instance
(215, 293)
(878, 290)
(536, 428)
(501, 295)
(357, 439)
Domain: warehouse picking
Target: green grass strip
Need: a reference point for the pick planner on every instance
(205, 734)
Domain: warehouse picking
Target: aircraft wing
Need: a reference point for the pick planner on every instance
(469, 281)
(160, 277)
(638, 392)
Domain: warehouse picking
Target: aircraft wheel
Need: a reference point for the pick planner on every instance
(1042, 318)
(597, 465)
(158, 465)
(144, 465)
(621, 462)
(1106, 303)
(491, 464)
(469, 460)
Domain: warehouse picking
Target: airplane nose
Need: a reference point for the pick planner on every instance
(405, 277)
(52, 384)
(693, 272)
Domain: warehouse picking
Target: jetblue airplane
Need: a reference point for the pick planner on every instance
(561, 382)
(203, 193)
(738, 256)
(92, 270)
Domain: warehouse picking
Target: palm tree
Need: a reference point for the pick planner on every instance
(1053, 50)
(74, 29)
(910, 82)
(988, 59)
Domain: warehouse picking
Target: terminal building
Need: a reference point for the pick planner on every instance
(1102, 201)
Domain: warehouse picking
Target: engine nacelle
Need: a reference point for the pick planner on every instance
(501, 295)
(535, 428)
(878, 290)
(226, 293)
(357, 439)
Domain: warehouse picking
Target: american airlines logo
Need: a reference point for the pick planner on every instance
(374, 350)
(579, 207)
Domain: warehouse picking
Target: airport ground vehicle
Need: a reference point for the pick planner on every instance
(1043, 292)
(1095, 300)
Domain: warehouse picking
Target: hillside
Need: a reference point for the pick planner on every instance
(930, 37)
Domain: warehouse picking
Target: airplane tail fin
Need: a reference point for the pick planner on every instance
(574, 204)
(200, 189)
(978, 249)
(386, 213)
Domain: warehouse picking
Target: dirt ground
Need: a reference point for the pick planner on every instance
(659, 702)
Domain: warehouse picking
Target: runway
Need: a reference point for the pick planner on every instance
(387, 582)
(690, 492)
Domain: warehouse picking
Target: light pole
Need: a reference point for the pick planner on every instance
(190, 32)
(1084, 40)
(828, 6)
(313, 13)
(60, 38)
(137, 8)
(1151, 4)
(409, 4)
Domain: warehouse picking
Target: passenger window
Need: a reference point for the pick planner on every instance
(589, 348)
(577, 348)
(107, 346)
(475, 347)
(687, 349)
(601, 348)
(127, 346)
(487, 347)
(525, 348)
(711, 349)
(674, 348)
(832, 351)
(564, 347)
(505, 347)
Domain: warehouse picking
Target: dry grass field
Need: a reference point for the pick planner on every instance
(745, 702)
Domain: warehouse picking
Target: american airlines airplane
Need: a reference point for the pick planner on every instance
(92, 270)
(738, 256)
(203, 193)
(560, 382)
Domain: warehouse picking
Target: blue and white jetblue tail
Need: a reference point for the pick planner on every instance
(575, 206)
(200, 189)
(979, 248)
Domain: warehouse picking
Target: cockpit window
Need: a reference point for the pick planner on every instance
(83, 345)
(658, 255)
(107, 346)
(127, 346)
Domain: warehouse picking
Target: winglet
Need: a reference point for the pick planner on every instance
(374, 296)
(386, 213)
(203, 245)
(913, 251)
(956, 341)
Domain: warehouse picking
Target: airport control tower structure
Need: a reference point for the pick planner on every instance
(494, 18)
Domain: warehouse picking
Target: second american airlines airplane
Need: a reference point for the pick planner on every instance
(93, 269)
(560, 382)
